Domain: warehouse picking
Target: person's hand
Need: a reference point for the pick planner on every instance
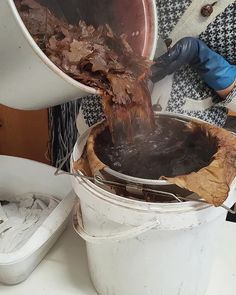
(212, 68)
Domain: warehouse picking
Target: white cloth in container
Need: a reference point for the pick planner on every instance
(21, 217)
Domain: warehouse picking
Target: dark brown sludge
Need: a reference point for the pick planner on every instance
(166, 151)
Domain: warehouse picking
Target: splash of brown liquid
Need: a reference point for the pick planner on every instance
(98, 58)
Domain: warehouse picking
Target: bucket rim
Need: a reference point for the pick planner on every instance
(139, 205)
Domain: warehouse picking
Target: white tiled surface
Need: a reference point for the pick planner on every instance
(65, 272)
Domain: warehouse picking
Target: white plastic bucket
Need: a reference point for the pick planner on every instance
(29, 80)
(138, 248)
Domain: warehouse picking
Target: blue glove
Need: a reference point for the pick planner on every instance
(212, 68)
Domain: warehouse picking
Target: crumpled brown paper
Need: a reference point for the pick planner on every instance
(212, 183)
(94, 163)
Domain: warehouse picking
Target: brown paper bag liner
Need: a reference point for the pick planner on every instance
(89, 164)
(82, 165)
(212, 183)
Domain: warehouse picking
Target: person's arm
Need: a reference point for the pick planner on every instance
(212, 67)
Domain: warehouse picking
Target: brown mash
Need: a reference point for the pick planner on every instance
(98, 58)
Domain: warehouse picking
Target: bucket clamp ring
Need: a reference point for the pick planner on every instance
(130, 187)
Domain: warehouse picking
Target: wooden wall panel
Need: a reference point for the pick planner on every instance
(24, 133)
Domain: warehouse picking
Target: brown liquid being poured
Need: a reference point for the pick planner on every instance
(98, 58)
(172, 149)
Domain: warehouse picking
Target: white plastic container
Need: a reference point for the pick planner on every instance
(29, 80)
(19, 176)
(138, 248)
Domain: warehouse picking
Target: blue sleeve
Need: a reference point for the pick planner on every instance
(214, 69)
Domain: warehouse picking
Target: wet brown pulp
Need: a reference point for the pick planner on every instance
(171, 149)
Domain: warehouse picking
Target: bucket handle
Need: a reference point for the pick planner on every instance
(95, 239)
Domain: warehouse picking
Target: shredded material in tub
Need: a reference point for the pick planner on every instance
(21, 217)
(98, 58)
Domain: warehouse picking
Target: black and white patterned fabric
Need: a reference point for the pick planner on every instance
(169, 12)
(220, 35)
(92, 109)
(187, 84)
